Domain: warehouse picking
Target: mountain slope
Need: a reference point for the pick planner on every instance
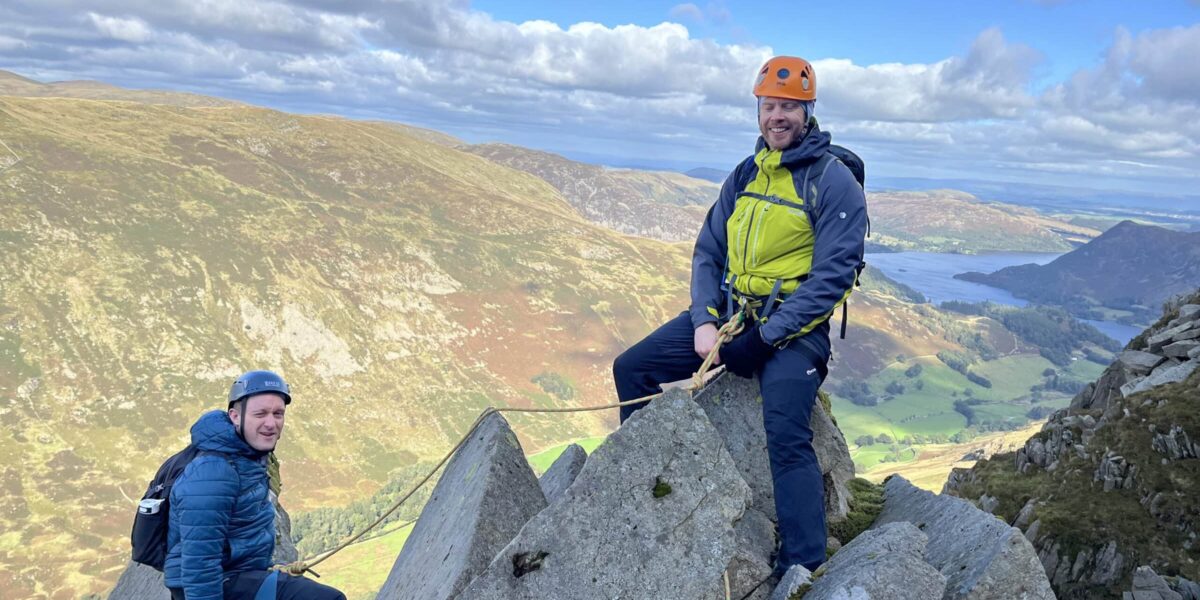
(1130, 268)
(952, 221)
(1110, 483)
(12, 84)
(149, 253)
(656, 204)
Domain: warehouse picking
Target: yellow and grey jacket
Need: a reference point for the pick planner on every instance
(790, 221)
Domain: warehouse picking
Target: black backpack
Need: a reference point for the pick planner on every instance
(858, 169)
(149, 537)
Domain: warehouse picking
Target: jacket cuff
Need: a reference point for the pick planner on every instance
(702, 315)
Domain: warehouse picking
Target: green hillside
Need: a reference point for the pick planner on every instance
(153, 251)
(954, 221)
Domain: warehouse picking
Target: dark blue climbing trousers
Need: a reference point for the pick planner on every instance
(271, 585)
(788, 383)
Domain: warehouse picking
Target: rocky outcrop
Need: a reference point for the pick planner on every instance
(795, 582)
(1175, 444)
(1062, 436)
(881, 564)
(735, 409)
(980, 556)
(750, 566)
(481, 501)
(656, 506)
(1147, 585)
(1097, 567)
(1115, 472)
(139, 582)
(562, 473)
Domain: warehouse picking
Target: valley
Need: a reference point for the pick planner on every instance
(155, 245)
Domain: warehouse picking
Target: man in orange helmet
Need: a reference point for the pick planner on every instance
(783, 245)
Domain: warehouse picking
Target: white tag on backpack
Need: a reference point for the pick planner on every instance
(150, 506)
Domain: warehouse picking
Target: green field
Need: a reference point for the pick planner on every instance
(929, 411)
(360, 570)
(542, 460)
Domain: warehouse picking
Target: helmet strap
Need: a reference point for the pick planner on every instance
(241, 426)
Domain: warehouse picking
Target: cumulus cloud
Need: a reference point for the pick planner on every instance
(650, 90)
(991, 80)
(125, 30)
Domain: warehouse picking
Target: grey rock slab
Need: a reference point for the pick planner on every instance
(1180, 349)
(1155, 342)
(1025, 516)
(285, 549)
(485, 495)
(1138, 362)
(796, 579)
(139, 582)
(1190, 334)
(750, 566)
(1149, 585)
(1190, 590)
(651, 515)
(562, 473)
(1131, 385)
(1166, 374)
(886, 563)
(734, 406)
(981, 556)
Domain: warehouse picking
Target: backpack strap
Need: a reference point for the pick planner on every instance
(829, 158)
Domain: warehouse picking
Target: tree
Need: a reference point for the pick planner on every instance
(895, 388)
(883, 438)
(864, 440)
(913, 371)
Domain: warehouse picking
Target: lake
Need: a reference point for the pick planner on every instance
(932, 274)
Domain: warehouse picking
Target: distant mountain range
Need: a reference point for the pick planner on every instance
(1128, 272)
(153, 245)
(954, 221)
(657, 204)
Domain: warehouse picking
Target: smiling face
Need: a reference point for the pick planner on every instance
(263, 420)
(781, 121)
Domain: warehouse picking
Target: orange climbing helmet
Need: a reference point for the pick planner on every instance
(787, 77)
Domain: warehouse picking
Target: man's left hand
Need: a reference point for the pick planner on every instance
(747, 352)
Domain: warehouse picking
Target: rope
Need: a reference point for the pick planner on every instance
(724, 334)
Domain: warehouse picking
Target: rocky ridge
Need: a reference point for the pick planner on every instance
(676, 504)
(1109, 483)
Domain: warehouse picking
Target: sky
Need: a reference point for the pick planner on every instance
(1093, 95)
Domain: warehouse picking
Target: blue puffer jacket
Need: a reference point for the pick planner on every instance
(222, 517)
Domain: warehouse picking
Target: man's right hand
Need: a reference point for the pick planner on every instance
(705, 339)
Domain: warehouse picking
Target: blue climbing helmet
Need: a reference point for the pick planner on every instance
(259, 382)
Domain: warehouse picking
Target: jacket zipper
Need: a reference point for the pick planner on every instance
(749, 230)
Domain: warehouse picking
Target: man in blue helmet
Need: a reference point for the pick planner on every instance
(221, 533)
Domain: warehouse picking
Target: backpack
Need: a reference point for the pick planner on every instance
(149, 536)
(858, 169)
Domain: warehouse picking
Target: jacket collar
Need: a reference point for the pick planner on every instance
(214, 432)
